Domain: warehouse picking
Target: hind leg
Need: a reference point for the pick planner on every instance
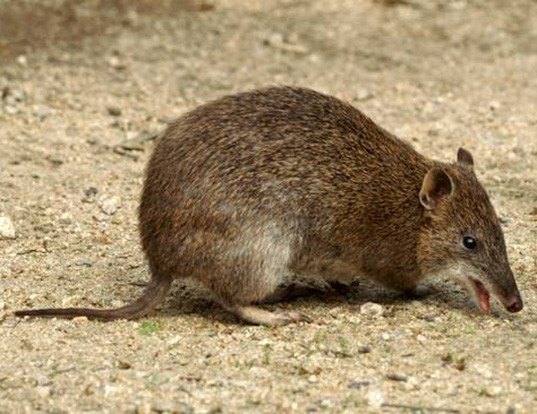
(250, 270)
(240, 298)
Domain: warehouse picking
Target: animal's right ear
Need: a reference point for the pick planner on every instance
(436, 184)
(465, 158)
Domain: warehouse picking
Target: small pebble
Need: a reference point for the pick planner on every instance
(22, 60)
(92, 141)
(375, 398)
(372, 309)
(421, 338)
(66, 218)
(174, 341)
(7, 229)
(11, 110)
(42, 380)
(493, 390)
(504, 220)
(56, 160)
(116, 63)
(109, 205)
(363, 94)
(80, 319)
(397, 377)
(114, 110)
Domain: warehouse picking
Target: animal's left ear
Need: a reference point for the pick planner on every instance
(465, 158)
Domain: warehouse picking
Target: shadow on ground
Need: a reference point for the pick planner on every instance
(187, 299)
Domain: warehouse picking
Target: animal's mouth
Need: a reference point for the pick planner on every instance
(481, 293)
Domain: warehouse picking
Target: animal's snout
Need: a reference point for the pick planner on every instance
(515, 305)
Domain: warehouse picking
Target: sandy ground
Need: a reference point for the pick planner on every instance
(77, 80)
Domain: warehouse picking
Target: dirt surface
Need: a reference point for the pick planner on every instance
(82, 82)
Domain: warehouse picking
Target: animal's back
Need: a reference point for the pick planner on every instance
(271, 149)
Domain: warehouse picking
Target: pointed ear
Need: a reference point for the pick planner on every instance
(465, 158)
(436, 184)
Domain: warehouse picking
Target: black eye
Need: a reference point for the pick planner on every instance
(469, 242)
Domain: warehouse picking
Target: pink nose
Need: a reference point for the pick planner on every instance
(516, 305)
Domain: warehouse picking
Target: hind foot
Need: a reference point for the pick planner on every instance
(258, 316)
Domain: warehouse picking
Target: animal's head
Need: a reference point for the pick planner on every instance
(462, 235)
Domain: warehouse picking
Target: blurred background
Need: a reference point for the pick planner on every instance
(402, 58)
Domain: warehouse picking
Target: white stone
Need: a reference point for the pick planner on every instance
(7, 229)
(373, 309)
(174, 341)
(22, 60)
(109, 205)
(363, 94)
(80, 319)
(11, 110)
(493, 390)
(375, 398)
(66, 218)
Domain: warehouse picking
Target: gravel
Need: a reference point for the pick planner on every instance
(439, 74)
(7, 229)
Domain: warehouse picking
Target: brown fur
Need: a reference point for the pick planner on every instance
(246, 191)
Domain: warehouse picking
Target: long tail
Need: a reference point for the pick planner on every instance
(154, 293)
